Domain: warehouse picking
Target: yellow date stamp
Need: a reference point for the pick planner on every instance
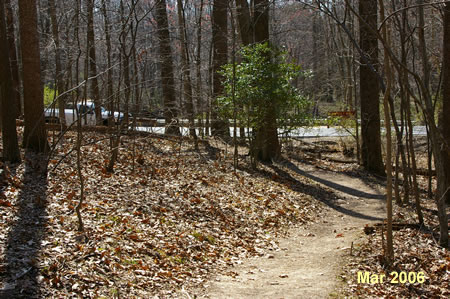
(393, 278)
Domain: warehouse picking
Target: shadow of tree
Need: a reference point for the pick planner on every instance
(333, 185)
(24, 238)
(328, 197)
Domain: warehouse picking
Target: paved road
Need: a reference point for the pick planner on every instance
(320, 131)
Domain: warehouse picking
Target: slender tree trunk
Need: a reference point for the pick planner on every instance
(58, 68)
(137, 93)
(404, 96)
(109, 88)
(387, 124)
(168, 82)
(8, 120)
(125, 59)
(444, 176)
(198, 64)
(219, 20)
(13, 59)
(370, 90)
(35, 135)
(414, 166)
(198, 67)
(187, 85)
(95, 92)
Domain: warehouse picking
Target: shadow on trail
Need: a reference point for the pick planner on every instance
(335, 186)
(23, 244)
(325, 196)
(369, 180)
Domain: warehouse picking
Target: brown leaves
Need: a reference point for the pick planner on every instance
(171, 220)
(5, 203)
(415, 252)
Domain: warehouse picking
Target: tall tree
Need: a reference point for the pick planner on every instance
(266, 145)
(95, 92)
(444, 171)
(198, 65)
(245, 22)
(220, 57)
(187, 85)
(387, 124)
(109, 89)
(13, 57)
(35, 135)
(369, 89)
(166, 60)
(123, 40)
(58, 68)
(8, 120)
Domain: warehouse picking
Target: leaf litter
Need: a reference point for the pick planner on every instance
(169, 217)
(166, 219)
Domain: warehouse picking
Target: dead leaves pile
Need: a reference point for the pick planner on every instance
(167, 218)
(414, 251)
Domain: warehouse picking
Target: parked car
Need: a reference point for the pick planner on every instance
(87, 111)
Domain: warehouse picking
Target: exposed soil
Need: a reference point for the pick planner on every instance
(308, 261)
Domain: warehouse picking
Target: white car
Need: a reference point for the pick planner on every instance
(87, 114)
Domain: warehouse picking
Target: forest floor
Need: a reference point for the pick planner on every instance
(172, 221)
(308, 262)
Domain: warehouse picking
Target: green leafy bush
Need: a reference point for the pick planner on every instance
(262, 79)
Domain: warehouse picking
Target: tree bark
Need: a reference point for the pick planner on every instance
(369, 90)
(266, 145)
(219, 20)
(58, 69)
(387, 124)
(186, 69)
(198, 63)
(11, 151)
(245, 24)
(95, 92)
(13, 60)
(444, 173)
(35, 135)
(167, 79)
(109, 74)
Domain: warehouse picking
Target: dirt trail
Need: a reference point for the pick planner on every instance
(308, 262)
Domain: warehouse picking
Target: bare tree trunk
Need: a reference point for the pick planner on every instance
(8, 120)
(245, 23)
(219, 21)
(115, 141)
(35, 135)
(109, 88)
(168, 83)
(369, 90)
(444, 173)
(95, 92)
(198, 64)
(414, 166)
(80, 173)
(387, 124)
(137, 93)
(125, 59)
(58, 68)
(404, 96)
(13, 59)
(187, 85)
